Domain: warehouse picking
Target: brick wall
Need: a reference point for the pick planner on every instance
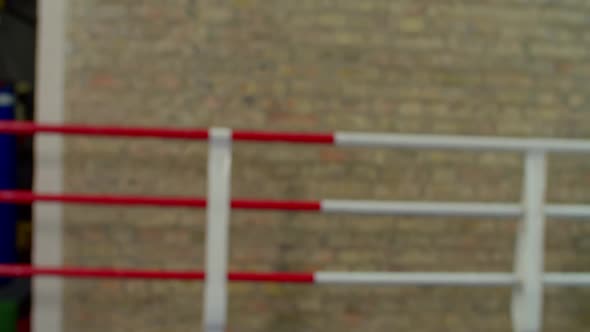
(507, 67)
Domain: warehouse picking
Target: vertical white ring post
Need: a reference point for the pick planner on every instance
(218, 212)
(48, 234)
(527, 296)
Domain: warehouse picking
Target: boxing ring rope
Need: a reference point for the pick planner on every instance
(400, 208)
(343, 139)
(527, 280)
(318, 277)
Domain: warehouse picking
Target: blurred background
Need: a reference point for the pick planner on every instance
(17, 81)
(496, 68)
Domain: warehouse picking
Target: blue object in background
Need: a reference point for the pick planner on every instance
(8, 212)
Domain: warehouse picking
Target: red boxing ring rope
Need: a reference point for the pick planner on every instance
(27, 197)
(26, 271)
(31, 128)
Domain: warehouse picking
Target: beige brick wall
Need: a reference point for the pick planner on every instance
(507, 67)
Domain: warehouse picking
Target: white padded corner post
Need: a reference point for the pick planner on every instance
(218, 212)
(527, 296)
(47, 302)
